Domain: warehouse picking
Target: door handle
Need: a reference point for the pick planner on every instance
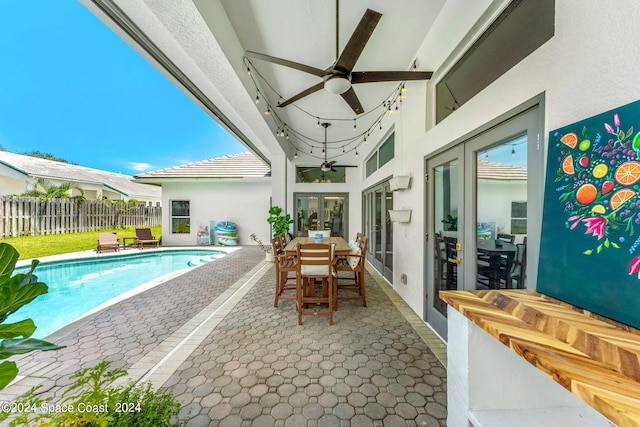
(457, 261)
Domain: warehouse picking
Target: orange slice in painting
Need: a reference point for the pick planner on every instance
(627, 173)
(570, 139)
(619, 197)
(586, 194)
(567, 165)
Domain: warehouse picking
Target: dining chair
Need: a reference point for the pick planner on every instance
(315, 261)
(285, 282)
(353, 263)
(510, 238)
(517, 267)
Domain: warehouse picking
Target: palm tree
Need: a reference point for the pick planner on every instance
(45, 190)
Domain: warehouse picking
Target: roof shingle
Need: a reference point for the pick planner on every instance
(242, 165)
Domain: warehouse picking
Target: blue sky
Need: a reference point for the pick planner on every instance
(71, 87)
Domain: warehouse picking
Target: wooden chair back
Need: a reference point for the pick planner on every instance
(510, 238)
(315, 261)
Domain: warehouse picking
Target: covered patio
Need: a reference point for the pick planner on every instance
(233, 359)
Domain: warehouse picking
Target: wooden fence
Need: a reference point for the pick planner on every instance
(30, 216)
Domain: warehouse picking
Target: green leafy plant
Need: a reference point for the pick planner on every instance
(92, 401)
(15, 292)
(279, 222)
(261, 245)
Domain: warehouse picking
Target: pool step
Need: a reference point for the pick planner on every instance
(194, 261)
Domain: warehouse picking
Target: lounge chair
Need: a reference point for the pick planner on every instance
(145, 238)
(108, 241)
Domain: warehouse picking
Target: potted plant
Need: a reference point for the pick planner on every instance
(268, 250)
(279, 222)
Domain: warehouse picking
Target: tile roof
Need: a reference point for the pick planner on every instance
(242, 165)
(502, 171)
(49, 169)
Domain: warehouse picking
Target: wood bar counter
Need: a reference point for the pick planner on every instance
(596, 359)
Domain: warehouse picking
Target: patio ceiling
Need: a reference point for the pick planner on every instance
(200, 45)
(305, 32)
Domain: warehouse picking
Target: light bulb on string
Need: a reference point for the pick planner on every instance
(513, 151)
(354, 125)
(268, 112)
(287, 136)
(403, 89)
(356, 153)
(396, 108)
(278, 132)
(365, 140)
(282, 133)
(380, 126)
(318, 123)
(342, 150)
(323, 151)
(248, 71)
(296, 155)
(486, 156)
(311, 151)
(258, 98)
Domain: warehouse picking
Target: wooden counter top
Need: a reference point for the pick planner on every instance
(596, 359)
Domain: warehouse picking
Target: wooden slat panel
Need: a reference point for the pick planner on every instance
(596, 359)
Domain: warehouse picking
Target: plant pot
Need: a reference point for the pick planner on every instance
(268, 256)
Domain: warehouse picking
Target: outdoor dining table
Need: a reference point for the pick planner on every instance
(342, 246)
(496, 254)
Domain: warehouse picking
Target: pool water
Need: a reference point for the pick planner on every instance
(78, 286)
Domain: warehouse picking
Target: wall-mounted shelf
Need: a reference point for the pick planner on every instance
(399, 183)
(403, 215)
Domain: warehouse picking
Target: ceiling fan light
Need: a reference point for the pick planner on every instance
(325, 167)
(337, 85)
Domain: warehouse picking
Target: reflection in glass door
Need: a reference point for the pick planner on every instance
(444, 237)
(377, 202)
(321, 212)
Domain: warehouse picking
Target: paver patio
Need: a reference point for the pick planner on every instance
(235, 360)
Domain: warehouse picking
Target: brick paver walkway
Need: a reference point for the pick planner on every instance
(255, 365)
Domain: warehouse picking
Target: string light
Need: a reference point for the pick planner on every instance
(296, 155)
(323, 152)
(394, 97)
(356, 153)
(513, 151)
(278, 132)
(343, 149)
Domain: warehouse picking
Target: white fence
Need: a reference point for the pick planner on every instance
(30, 216)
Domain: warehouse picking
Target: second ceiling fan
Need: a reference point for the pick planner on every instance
(340, 77)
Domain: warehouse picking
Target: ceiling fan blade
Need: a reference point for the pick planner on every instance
(331, 162)
(353, 101)
(296, 66)
(302, 94)
(358, 41)
(388, 76)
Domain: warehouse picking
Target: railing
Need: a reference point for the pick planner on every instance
(30, 216)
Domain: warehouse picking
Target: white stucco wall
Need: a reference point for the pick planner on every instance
(589, 66)
(245, 203)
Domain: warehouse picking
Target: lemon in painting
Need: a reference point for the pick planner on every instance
(598, 209)
(584, 145)
(600, 170)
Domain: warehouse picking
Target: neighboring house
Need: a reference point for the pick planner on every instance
(502, 197)
(234, 188)
(18, 174)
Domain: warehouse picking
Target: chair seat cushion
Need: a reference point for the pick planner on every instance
(355, 250)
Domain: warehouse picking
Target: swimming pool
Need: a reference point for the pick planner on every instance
(78, 286)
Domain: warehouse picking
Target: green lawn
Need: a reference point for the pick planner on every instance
(39, 246)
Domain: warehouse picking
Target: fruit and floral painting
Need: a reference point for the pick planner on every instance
(590, 245)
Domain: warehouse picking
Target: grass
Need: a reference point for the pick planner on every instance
(40, 246)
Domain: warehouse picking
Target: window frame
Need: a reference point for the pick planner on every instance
(174, 226)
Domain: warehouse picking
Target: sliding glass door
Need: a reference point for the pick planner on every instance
(321, 211)
(377, 201)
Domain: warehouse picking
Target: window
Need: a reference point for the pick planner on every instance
(381, 156)
(316, 175)
(521, 28)
(180, 220)
(518, 217)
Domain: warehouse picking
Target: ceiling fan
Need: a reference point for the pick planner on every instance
(339, 77)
